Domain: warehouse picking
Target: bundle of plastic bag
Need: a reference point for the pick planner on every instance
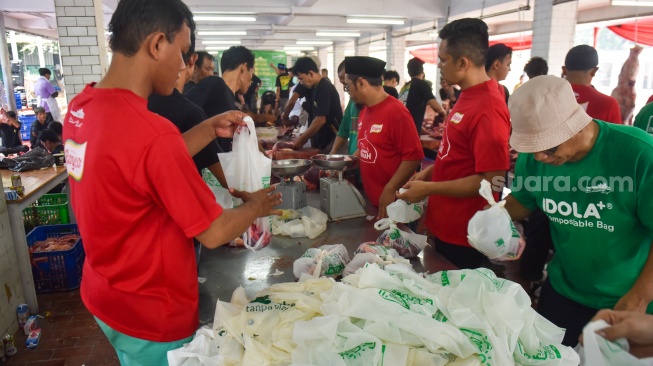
(491, 231)
(327, 260)
(247, 169)
(305, 222)
(598, 351)
(381, 259)
(408, 245)
(404, 212)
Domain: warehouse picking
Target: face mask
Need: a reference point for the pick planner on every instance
(295, 80)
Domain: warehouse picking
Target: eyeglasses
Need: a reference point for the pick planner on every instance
(551, 150)
(347, 87)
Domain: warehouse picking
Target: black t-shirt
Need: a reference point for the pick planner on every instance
(304, 92)
(214, 97)
(507, 92)
(251, 92)
(391, 91)
(37, 127)
(188, 86)
(326, 102)
(419, 94)
(185, 115)
(284, 82)
(10, 135)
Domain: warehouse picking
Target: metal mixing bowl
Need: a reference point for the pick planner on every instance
(335, 162)
(290, 167)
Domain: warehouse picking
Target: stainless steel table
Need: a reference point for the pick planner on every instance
(227, 268)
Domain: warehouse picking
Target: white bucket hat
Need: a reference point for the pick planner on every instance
(544, 114)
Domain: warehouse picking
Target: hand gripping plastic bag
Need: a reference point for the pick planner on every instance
(406, 244)
(305, 222)
(598, 351)
(247, 169)
(491, 231)
(327, 260)
(404, 212)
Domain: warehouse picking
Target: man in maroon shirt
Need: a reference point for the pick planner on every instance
(474, 145)
(581, 65)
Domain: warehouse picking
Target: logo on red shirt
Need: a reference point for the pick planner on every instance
(368, 153)
(376, 128)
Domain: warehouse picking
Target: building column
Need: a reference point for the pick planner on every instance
(338, 57)
(323, 55)
(82, 43)
(39, 47)
(554, 27)
(6, 66)
(362, 49)
(396, 55)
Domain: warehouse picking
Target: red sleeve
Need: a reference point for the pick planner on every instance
(615, 113)
(171, 178)
(410, 145)
(489, 143)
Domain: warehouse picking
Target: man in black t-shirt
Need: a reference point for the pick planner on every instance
(39, 125)
(390, 82)
(10, 134)
(203, 68)
(283, 84)
(251, 96)
(325, 106)
(186, 115)
(51, 142)
(417, 94)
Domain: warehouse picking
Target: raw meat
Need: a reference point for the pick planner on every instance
(625, 93)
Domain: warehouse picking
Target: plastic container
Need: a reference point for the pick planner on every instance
(50, 209)
(57, 270)
(24, 135)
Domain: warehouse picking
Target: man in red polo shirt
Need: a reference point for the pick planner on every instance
(581, 64)
(388, 145)
(474, 145)
(138, 206)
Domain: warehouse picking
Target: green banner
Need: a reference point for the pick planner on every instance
(263, 70)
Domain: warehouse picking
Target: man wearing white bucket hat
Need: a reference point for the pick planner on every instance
(594, 180)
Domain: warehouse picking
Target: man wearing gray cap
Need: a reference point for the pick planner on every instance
(594, 181)
(581, 65)
(388, 145)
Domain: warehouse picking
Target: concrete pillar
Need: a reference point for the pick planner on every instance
(554, 27)
(338, 56)
(362, 49)
(6, 66)
(396, 55)
(39, 46)
(14, 46)
(82, 43)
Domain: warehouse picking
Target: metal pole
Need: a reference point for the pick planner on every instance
(6, 65)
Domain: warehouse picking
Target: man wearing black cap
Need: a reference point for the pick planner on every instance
(325, 108)
(389, 148)
(417, 94)
(581, 64)
(284, 83)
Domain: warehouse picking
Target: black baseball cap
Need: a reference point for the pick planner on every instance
(581, 58)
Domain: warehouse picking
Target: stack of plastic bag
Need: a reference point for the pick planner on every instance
(390, 316)
(491, 231)
(327, 260)
(305, 222)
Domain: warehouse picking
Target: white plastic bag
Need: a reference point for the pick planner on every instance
(491, 231)
(305, 222)
(404, 212)
(247, 169)
(598, 351)
(408, 245)
(327, 260)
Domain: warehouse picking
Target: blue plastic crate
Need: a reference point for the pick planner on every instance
(26, 121)
(57, 270)
(24, 135)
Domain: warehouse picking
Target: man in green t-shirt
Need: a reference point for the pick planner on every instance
(644, 119)
(594, 180)
(348, 130)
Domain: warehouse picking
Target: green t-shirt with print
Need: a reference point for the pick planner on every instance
(349, 127)
(600, 211)
(644, 119)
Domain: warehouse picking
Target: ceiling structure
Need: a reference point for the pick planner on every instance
(279, 24)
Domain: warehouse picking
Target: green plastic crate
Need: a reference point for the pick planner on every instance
(50, 209)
